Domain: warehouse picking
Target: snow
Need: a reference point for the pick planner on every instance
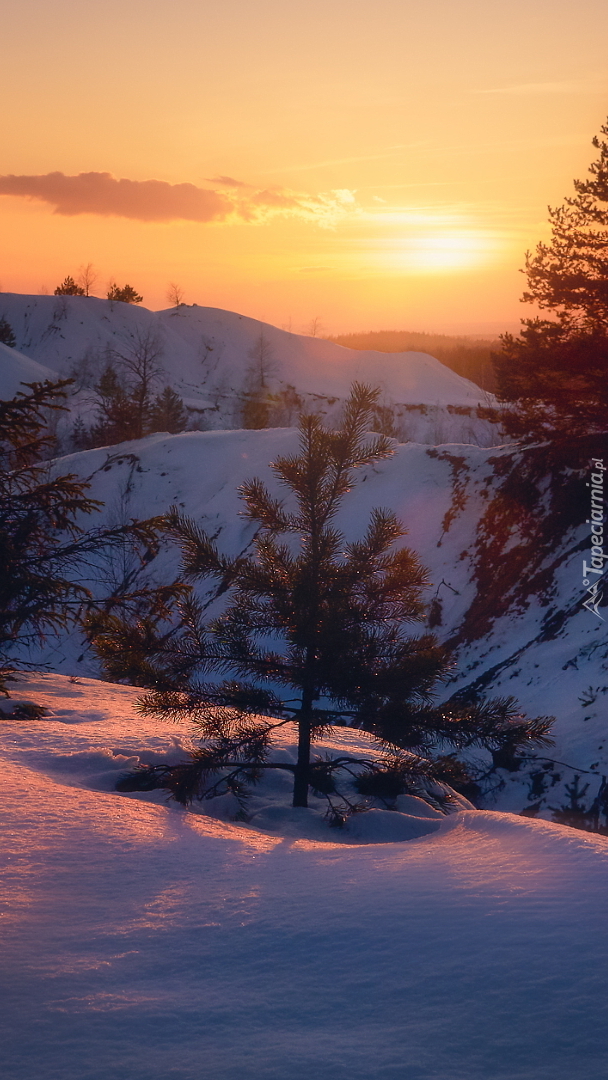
(142, 941)
(549, 675)
(15, 369)
(313, 365)
(206, 354)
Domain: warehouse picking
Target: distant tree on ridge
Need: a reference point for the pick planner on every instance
(69, 287)
(126, 295)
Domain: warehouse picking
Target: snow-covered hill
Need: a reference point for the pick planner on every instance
(547, 651)
(145, 942)
(550, 655)
(16, 369)
(207, 355)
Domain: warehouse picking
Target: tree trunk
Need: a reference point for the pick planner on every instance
(300, 785)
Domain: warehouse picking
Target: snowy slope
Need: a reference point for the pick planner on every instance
(16, 369)
(206, 354)
(548, 672)
(143, 942)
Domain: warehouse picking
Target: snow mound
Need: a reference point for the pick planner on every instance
(47, 746)
(143, 942)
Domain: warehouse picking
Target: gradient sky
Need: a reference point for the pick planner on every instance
(375, 165)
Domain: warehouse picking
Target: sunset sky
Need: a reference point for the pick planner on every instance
(375, 165)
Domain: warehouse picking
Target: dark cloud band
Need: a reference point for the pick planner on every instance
(101, 193)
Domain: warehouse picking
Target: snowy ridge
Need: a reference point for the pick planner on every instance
(207, 353)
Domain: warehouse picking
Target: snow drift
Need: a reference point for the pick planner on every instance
(143, 942)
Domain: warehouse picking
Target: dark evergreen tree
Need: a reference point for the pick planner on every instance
(43, 541)
(555, 374)
(167, 413)
(80, 438)
(7, 336)
(116, 419)
(312, 631)
(126, 295)
(69, 287)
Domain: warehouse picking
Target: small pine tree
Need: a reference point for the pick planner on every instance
(7, 336)
(126, 295)
(116, 420)
(80, 437)
(315, 616)
(69, 287)
(168, 413)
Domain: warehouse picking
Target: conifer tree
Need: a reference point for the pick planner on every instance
(80, 437)
(7, 336)
(167, 413)
(44, 544)
(555, 374)
(116, 419)
(69, 287)
(312, 632)
(126, 295)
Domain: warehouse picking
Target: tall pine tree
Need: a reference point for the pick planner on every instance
(554, 375)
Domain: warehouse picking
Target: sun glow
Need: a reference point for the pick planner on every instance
(442, 252)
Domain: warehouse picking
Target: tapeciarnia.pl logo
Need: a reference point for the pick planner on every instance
(596, 521)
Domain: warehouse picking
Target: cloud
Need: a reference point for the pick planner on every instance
(325, 209)
(158, 201)
(228, 181)
(101, 193)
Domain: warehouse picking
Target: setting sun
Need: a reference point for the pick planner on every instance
(288, 162)
(439, 253)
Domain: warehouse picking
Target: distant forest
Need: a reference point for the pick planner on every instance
(468, 356)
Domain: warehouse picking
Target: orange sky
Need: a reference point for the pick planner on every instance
(394, 159)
